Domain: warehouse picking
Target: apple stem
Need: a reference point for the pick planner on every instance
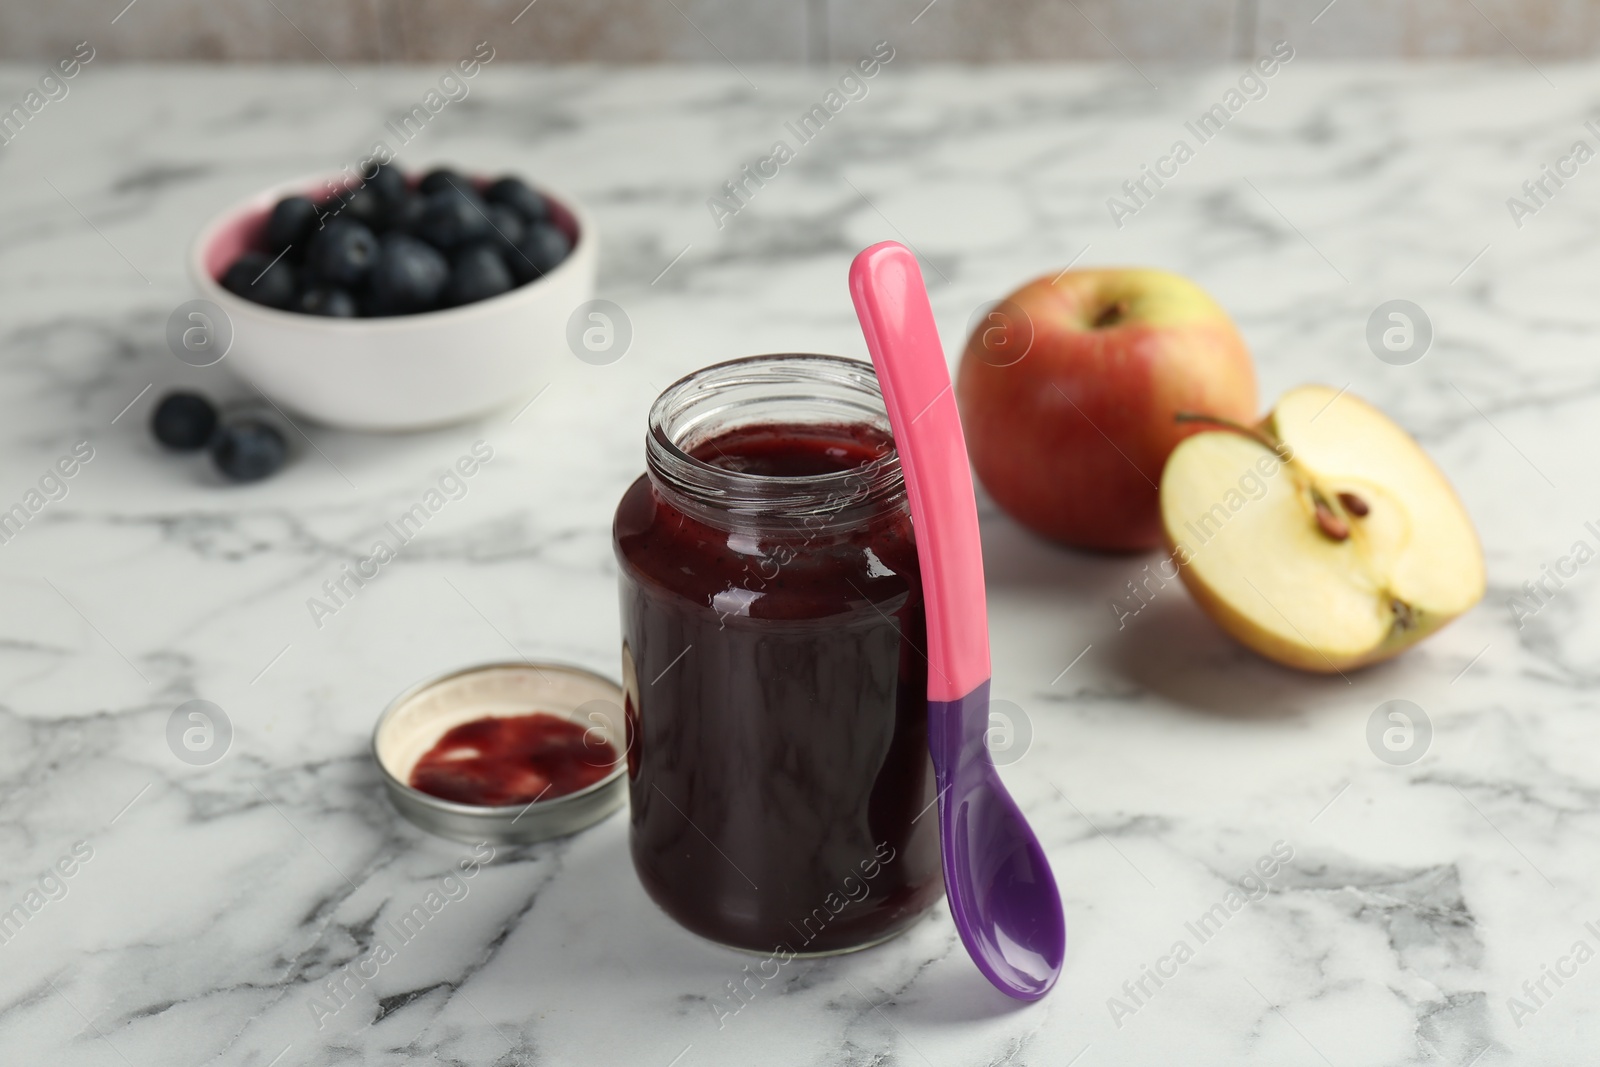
(1271, 443)
(1333, 525)
(1112, 314)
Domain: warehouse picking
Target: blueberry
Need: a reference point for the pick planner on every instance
(477, 272)
(540, 251)
(506, 228)
(247, 449)
(389, 185)
(242, 272)
(408, 277)
(326, 300)
(256, 277)
(407, 214)
(342, 253)
(452, 218)
(363, 205)
(291, 225)
(441, 178)
(183, 421)
(277, 285)
(520, 197)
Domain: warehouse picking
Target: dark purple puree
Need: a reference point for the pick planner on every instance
(777, 765)
(514, 759)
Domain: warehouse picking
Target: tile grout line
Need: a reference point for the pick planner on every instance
(1246, 24)
(818, 44)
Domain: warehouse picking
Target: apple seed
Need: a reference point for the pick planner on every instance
(1335, 528)
(1354, 505)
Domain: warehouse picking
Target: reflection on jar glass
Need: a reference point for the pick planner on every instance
(773, 631)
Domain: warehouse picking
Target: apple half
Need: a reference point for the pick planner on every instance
(1323, 538)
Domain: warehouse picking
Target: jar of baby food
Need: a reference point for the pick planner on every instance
(773, 657)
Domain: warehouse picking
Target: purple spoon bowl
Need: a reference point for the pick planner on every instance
(1002, 893)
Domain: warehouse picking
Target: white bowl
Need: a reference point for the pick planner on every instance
(402, 372)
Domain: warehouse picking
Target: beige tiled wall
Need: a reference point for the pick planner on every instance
(998, 30)
(1519, 30)
(794, 30)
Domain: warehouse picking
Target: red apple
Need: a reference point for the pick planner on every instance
(1069, 390)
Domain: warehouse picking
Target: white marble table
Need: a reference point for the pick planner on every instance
(216, 902)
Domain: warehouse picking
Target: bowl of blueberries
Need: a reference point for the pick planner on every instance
(403, 303)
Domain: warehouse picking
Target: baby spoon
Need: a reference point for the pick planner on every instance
(1001, 891)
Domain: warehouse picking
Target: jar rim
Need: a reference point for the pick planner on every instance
(837, 382)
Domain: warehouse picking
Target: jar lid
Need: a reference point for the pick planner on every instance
(418, 718)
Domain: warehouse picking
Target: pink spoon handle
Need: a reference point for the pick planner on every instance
(892, 304)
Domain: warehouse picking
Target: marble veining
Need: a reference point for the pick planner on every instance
(225, 913)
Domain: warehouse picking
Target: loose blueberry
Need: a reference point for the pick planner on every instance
(441, 178)
(520, 197)
(247, 449)
(506, 228)
(452, 218)
(408, 277)
(326, 300)
(341, 254)
(256, 277)
(291, 225)
(476, 273)
(183, 421)
(540, 252)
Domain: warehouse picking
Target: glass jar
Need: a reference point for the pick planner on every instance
(772, 636)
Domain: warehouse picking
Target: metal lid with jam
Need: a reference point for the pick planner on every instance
(505, 752)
